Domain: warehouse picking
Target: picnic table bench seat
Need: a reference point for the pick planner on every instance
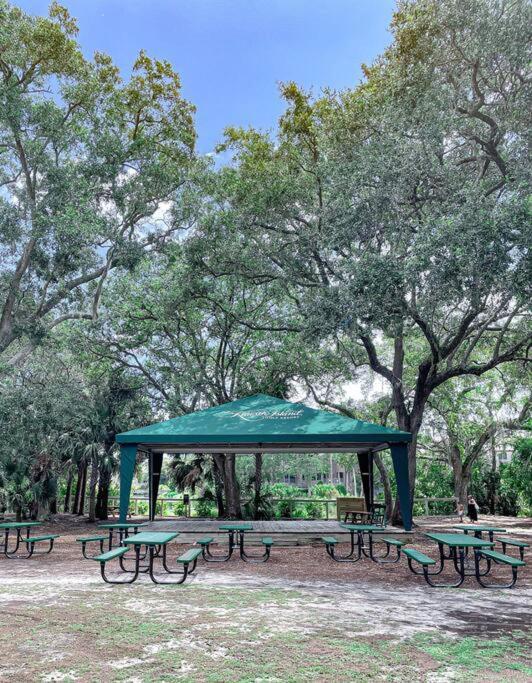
(189, 556)
(266, 541)
(390, 543)
(329, 540)
(514, 542)
(90, 539)
(32, 540)
(206, 540)
(36, 539)
(111, 554)
(394, 542)
(498, 558)
(414, 555)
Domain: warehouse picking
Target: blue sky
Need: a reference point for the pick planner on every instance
(231, 54)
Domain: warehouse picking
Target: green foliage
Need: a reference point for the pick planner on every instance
(516, 476)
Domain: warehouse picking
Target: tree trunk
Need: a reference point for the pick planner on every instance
(493, 486)
(34, 510)
(257, 485)
(232, 489)
(77, 493)
(102, 497)
(52, 506)
(81, 504)
(66, 506)
(92, 488)
(385, 479)
(218, 477)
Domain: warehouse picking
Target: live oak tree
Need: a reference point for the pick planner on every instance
(86, 162)
(180, 333)
(398, 210)
(466, 417)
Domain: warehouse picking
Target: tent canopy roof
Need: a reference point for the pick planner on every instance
(263, 423)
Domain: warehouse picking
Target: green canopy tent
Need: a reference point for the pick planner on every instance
(264, 424)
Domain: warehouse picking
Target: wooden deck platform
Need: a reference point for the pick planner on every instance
(297, 532)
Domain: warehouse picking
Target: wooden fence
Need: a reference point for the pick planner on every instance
(170, 507)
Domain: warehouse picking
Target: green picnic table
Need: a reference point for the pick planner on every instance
(357, 532)
(18, 527)
(457, 545)
(153, 541)
(235, 539)
(123, 529)
(478, 529)
(236, 532)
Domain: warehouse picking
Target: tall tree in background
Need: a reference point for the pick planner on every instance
(85, 162)
(398, 210)
(183, 337)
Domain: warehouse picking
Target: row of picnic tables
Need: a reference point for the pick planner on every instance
(453, 550)
(149, 548)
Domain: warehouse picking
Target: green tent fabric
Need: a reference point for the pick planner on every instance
(265, 424)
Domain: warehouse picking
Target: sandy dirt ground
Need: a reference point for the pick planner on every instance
(299, 617)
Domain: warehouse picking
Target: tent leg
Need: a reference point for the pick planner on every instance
(128, 457)
(365, 462)
(400, 466)
(156, 464)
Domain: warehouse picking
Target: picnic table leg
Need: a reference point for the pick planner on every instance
(425, 570)
(142, 568)
(469, 565)
(349, 557)
(135, 572)
(110, 539)
(253, 558)
(209, 557)
(11, 553)
(382, 558)
(84, 550)
(171, 571)
(461, 573)
(7, 551)
(479, 575)
(183, 574)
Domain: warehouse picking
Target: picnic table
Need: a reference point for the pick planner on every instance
(123, 529)
(478, 529)
(457, 545)
(358, 547)
(154, 541)
(19, 528)
(235, 539)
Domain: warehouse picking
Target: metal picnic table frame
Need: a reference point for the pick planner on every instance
(359, 546)
(235, 533)
(458, 545)
(6, 527)
(156, 543)
(123, 529)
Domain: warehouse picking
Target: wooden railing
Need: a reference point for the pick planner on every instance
(139, 505)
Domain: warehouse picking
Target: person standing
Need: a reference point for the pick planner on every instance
(472, 509)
